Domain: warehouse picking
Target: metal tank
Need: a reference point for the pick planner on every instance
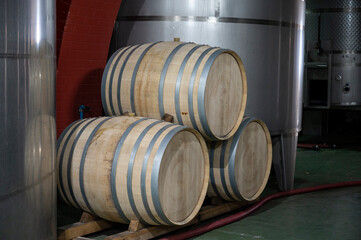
(334, 27)
(267, 35)
(27, 123)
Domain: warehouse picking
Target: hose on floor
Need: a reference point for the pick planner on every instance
(254, 207)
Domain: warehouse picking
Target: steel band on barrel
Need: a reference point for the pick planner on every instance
(82, 163)
(114, 168)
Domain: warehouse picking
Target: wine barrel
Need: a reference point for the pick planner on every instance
(125, 168)
(202, 87)
(240, 166)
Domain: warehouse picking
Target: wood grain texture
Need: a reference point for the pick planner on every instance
(222, 97)
(136, 232)
(204, 214)
(80, 229)
(241, 165)
(181, 167)
(181, 176)
(218, 96)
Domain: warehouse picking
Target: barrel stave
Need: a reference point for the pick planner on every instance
(111, 164)
(240, 166)
(98, 165)
(194, 83)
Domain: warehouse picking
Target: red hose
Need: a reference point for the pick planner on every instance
(242, 214)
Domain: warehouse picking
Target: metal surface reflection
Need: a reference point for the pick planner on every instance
(333, 35)
(27, 123)
(268, 36)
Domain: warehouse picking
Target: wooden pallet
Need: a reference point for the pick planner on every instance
(89, 224)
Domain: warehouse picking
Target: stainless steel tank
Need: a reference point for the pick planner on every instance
(268, 36)
(338, 23)
(27, 123)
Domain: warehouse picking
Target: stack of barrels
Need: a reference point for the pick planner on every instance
(124, 168)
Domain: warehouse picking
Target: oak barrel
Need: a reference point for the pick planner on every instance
(125, 168)
(240, 166)
(201, 86)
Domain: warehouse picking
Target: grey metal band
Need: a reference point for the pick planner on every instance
(191, 86)
(76, 125)
(346, 104)
(70, 159)
(104, 81)
(346, 52)
(211, 171)
(232, 157)
(64, 132)
(114, 168)
(47, 177)
(334, 10)
(221, 169)
(82, 163)
(132, 84)
(201, 92)
(162, 78)
(156, 169)
(346, 64)
(211, 19)
(144, 172)
(111, 80)
(130, 169)
(286, 132)
(178, 83)
(60, 160)
(120, 78)
(16, 55)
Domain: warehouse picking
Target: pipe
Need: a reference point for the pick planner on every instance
(83, 109)
(254, 207)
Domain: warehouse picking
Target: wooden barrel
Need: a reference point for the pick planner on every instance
(202, 87)
(125, 168)
(240, 166)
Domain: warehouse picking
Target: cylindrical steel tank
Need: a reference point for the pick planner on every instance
(27, 123)
(338, 22)
(267, 35)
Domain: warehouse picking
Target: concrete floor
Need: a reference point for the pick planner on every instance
(329, 214)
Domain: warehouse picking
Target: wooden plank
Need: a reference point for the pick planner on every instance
(207, 213)
(148, 233)
(87, 217)
(135, 226)
(137, 232)
(71, 231)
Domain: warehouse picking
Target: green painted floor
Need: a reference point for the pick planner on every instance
(329, 214)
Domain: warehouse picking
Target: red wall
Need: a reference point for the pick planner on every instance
(84, 30)
(62, 9)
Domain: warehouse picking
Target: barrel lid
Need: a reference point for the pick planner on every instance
(253, 158)
(183, 176)
(225, 93)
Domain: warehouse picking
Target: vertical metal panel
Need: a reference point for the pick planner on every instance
(27, 124)
(340, 24)
(267, 35)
